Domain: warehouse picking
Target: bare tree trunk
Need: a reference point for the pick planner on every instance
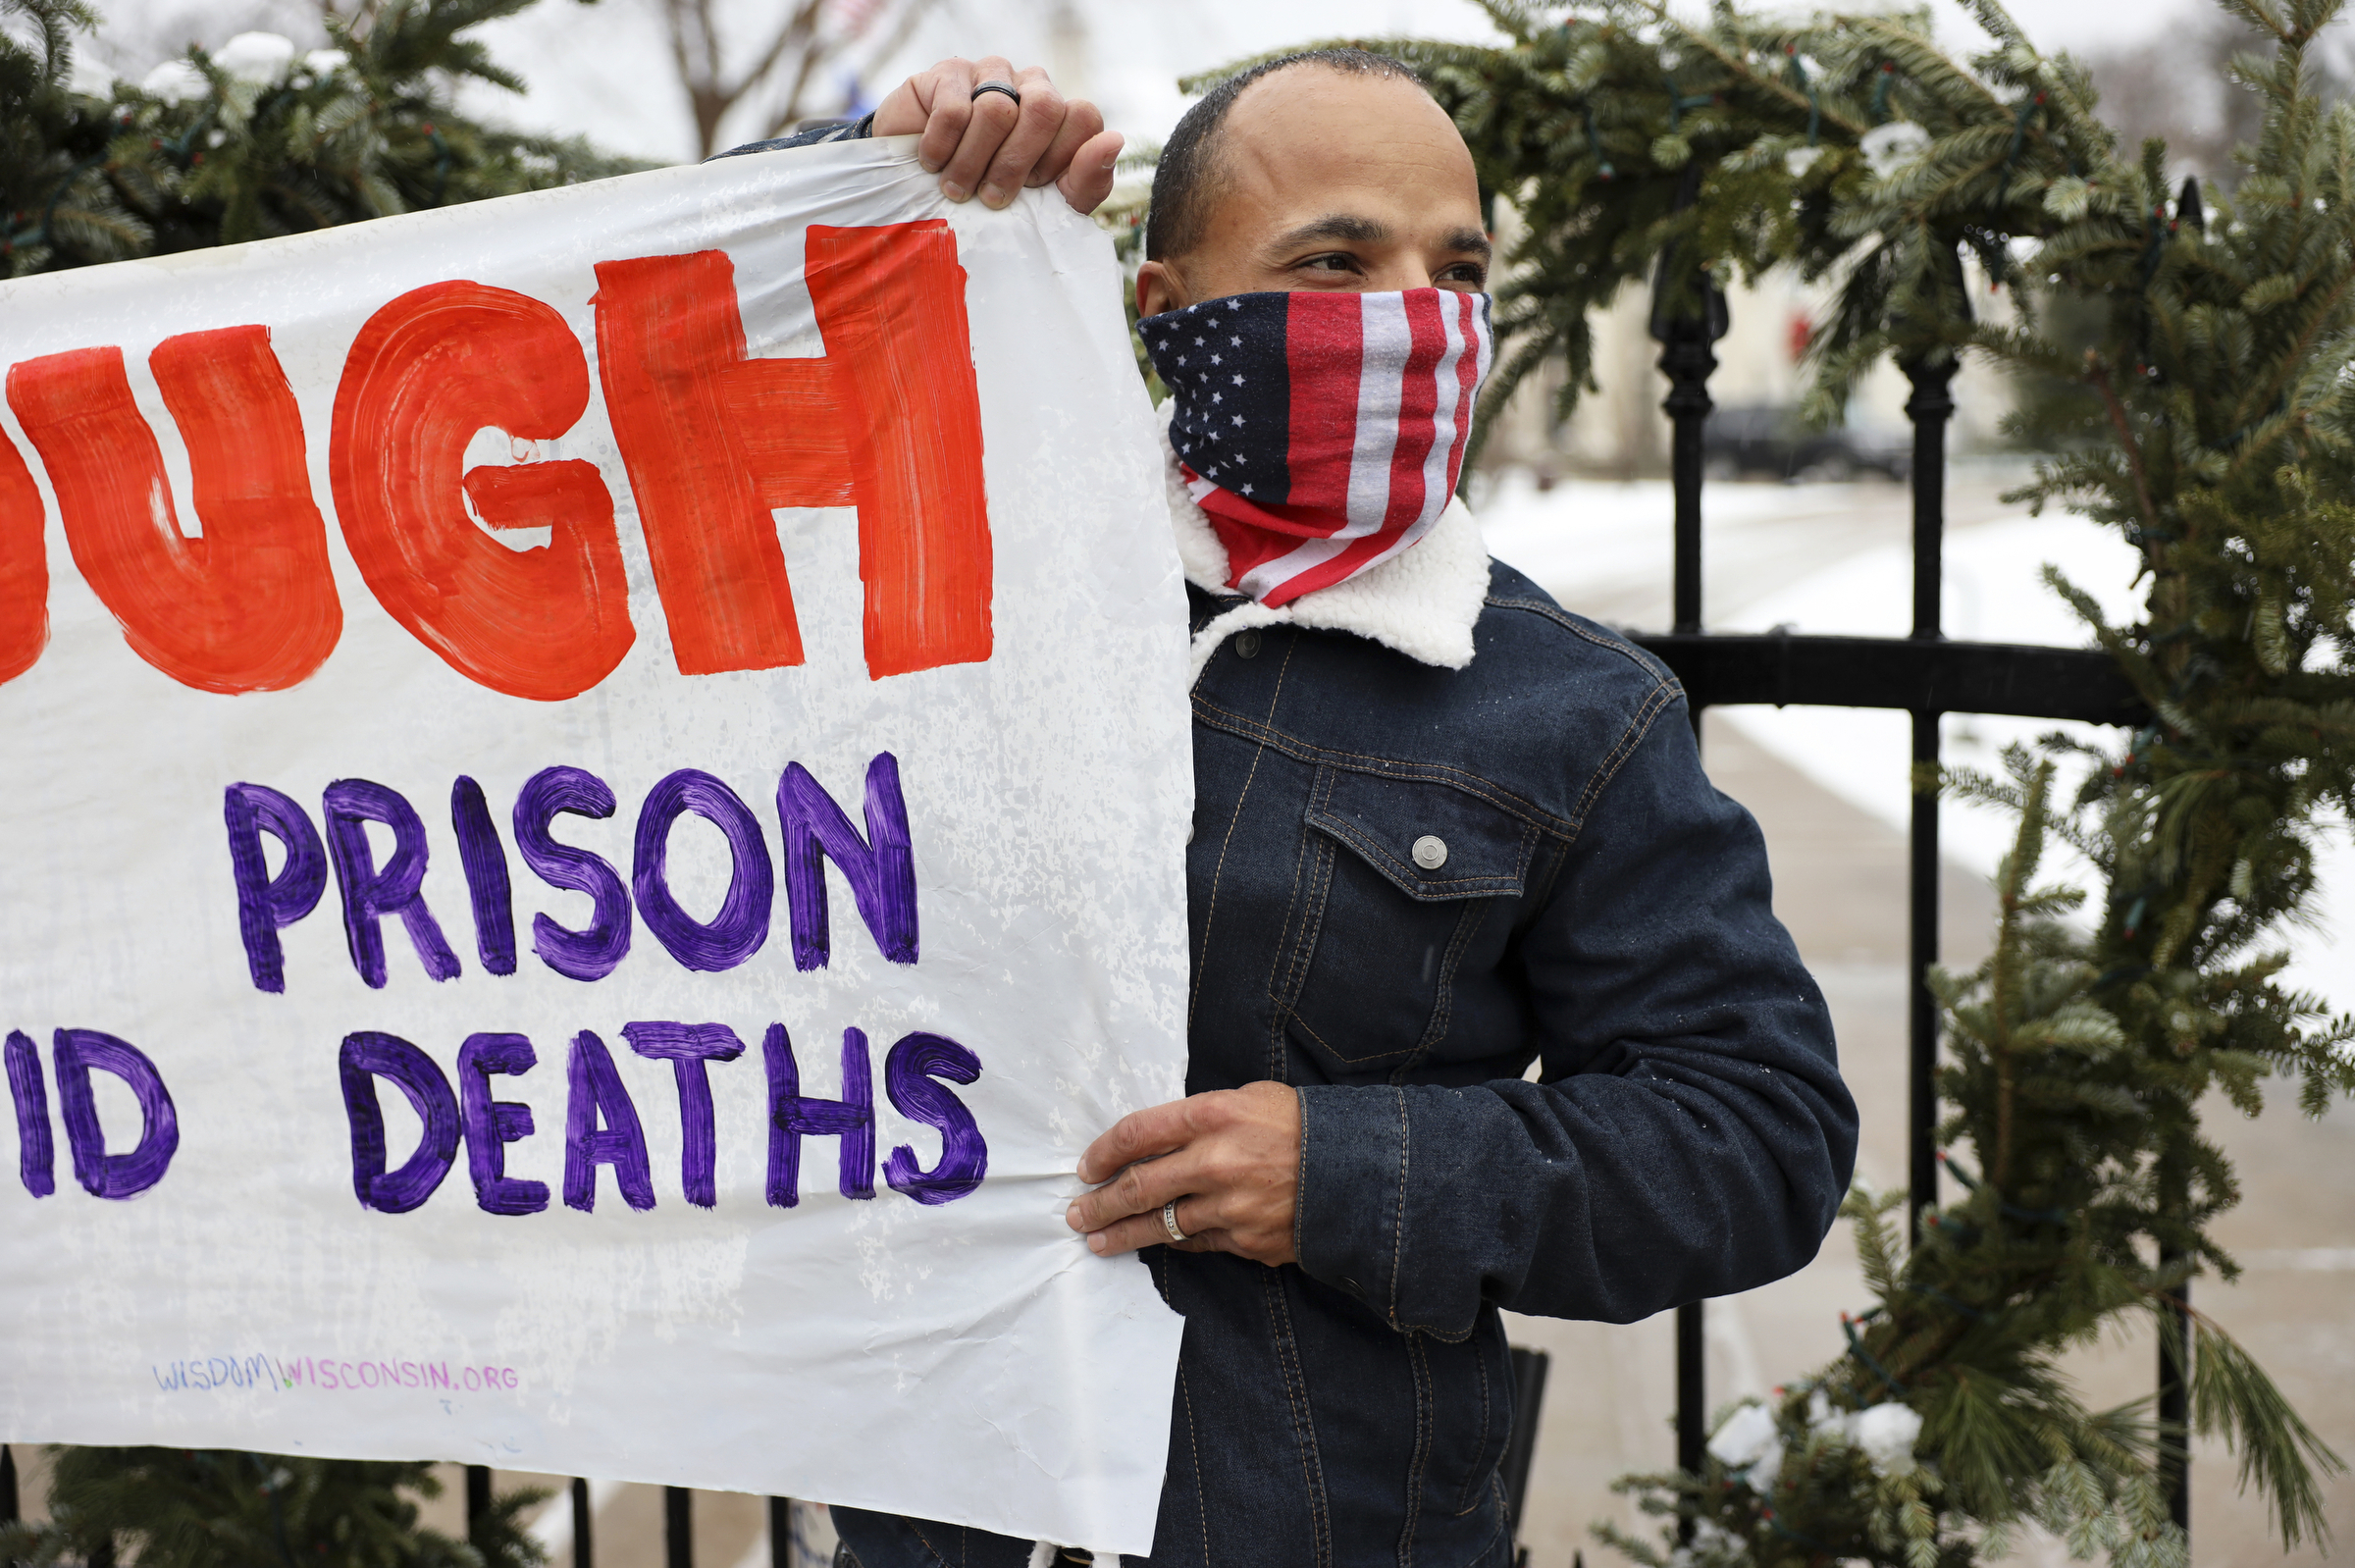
(790, 58)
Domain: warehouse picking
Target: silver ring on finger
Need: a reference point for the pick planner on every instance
(994, 86)
(1168, 1222)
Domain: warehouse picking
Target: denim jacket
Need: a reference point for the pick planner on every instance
(1444, 832)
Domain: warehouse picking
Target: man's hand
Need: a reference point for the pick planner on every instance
(994, 147)
(1230, 1158)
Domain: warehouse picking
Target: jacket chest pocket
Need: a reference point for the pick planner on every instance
(1400, 878)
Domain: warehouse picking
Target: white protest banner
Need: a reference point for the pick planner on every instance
(593, 791)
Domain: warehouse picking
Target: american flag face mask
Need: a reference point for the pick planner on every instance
(1321, 433)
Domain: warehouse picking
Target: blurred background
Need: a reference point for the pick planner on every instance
(671, 80)
(1807, 529)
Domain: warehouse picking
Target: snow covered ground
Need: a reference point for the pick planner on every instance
(1835, 558)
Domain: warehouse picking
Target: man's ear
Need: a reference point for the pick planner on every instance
(1160, 289)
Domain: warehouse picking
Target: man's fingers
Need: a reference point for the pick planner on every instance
(903, 109)
(1140, 1189)
(984, 123)
(946, 94)
(1126, 1236)
(1036, 124)
(1197, 1217)
(1088, 180)
(993, 146)
(906, 110)
(1143, 1134)
(1028, 142)
(1078, 121)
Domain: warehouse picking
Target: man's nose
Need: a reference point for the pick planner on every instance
(1400, 275)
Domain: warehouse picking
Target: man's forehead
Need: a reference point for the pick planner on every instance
(1312, 90)
(1311, 125)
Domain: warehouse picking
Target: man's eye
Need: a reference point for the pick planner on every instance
(1336, 261)
(1470, 274)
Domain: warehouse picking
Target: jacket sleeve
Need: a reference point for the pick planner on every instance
(1690, 1135)
(858, 130)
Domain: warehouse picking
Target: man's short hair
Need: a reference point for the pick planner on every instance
(1187, 177)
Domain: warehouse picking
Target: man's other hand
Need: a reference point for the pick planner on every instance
(1231, 1159)
(992, 148)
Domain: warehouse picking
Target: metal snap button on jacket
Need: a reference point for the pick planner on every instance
(1431, 852)
(1246, 644)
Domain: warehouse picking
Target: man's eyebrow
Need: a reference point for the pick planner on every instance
(1347, 226)
(1351, 227)
(1472, 240)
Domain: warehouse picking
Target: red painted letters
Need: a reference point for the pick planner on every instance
(428, 371)
(888, 420)
(23, 566)
(670, 349)
(891, 303)
(251, 606)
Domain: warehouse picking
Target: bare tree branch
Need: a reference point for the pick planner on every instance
(794, 53)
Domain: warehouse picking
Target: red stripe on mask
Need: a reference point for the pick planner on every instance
(1467, 377)
(1418, 409)
(1324, 345)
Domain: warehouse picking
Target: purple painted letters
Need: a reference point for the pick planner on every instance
(492, 1124)
(908, 1075)
(369, 894)
(597, 1094)
(880, 868)
(687, 1047)
(366, 1057)
(75, 1052)
(486, 865)
(793, 1117)
(36, 1152)
(589, 955)
(742, 925)
(266, 905)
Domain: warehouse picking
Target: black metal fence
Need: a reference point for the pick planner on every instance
(1927, 675)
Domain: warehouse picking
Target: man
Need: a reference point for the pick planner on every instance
(1442, 831)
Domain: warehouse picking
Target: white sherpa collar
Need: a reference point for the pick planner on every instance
(1421, 601)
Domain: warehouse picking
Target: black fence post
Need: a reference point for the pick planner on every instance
(2175, 1397)
(584, 1549)
(1930, 406)
(1692, 1390)
(1686, 328)
(7, 1486)
(780, 1532)
(678, 1527)
(478, 1503)
(1521, 1444)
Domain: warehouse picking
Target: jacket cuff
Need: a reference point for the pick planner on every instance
(1349, 1220)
